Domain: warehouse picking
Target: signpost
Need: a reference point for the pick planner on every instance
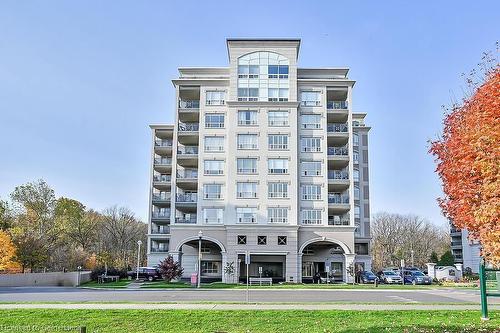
(491, 275)
(247, 262)
(260, 275)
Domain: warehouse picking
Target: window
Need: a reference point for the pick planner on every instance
(247, 118)
(214, 167)
(246, 215)
(278, 142)
(311, 121)
(277, 215)
(212, 191)
(355, 139)
(247, 190)
(246, 166)
(311, 216)
(247, 141)
(261, 240)
(277, 94)
(210, 267)
(248, 94)
(310, 144)
(355, 156)
(361, 248)
(355, 175)
(281, 240)
(311, 168)
(277, 165)
(311, 192)
(277, 118)
(310, 98)
(214, 143)
(215, 98)
(213, 215)
(257, 71)
(357, 212)
(277, 190)
(242, 239)
(214, 120)
(356, 192)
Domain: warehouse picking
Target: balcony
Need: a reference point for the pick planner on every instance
(337, 198)
(187, 198)
(337, 128)
(187, 174)
(338, 220)
(161, 197)
(161, 215)
(338, 174)
(189, 104)
(336, 105)
(162, 161)
(158, 250)
(163, 143)
(186, 219)
(338, 151)
(187, 150)
(162, 179)
(160, 230)
(188, 127)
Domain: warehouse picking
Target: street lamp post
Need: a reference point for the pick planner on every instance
(139, 242)
(412, 261)
(200, 235)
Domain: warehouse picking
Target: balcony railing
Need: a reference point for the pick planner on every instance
(246, 219)
(162, 161)
(163, 143)
(160, 230)
(456, 243)
(189, 197)
(158, 250)
(310, 103)
(191, 219)
(336, 105)
(162, 178)
(338, 174)
(187, 150)
(215, 102)
(213, 220)
(187, 104)
(338, 151)
(337, 128)
(161, 215)
(161, 197)
(187, 174)
(338, 220)
(338, 198)
(189, 127)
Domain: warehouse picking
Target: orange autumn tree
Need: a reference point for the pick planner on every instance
(468, 162)
(7, 254)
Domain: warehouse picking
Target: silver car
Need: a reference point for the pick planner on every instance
(390, 277)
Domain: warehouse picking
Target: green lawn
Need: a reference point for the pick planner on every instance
(123, 283)
(218, 285)
(251, 321)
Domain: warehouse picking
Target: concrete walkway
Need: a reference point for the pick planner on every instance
(244, 306)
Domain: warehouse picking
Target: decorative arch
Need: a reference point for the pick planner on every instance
(211, 239)
(326, 239)
(263, 58)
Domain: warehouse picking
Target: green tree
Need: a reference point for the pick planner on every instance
(446, 259)
(434, 257)
(6, 217)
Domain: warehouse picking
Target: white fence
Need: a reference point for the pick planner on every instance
(66, 279)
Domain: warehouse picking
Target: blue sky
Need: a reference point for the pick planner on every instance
(81, 81)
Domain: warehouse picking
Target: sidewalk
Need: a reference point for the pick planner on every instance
(243, 306)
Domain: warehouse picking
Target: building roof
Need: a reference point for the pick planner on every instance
(263, 40)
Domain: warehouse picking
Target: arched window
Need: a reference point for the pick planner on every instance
(263, 76)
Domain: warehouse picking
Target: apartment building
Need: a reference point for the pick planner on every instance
(266, 159)
(465, 251)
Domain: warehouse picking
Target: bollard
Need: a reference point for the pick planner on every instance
(484, 298)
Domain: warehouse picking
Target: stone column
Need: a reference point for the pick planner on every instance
(431, 270)
(291, 269)
(225, 277)
(299, 268)
(349, 260)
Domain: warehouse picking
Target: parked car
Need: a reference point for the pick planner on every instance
(416, 277)
(145, 273)
(389, 277)
(367, 277)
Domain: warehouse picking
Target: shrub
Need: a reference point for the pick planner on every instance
(170, 269)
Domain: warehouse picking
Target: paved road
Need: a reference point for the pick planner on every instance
(63, 294)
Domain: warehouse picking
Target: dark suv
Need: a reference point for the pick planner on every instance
(145, 273)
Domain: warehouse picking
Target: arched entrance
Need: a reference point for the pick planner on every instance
(325, 261)
(212, 258)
